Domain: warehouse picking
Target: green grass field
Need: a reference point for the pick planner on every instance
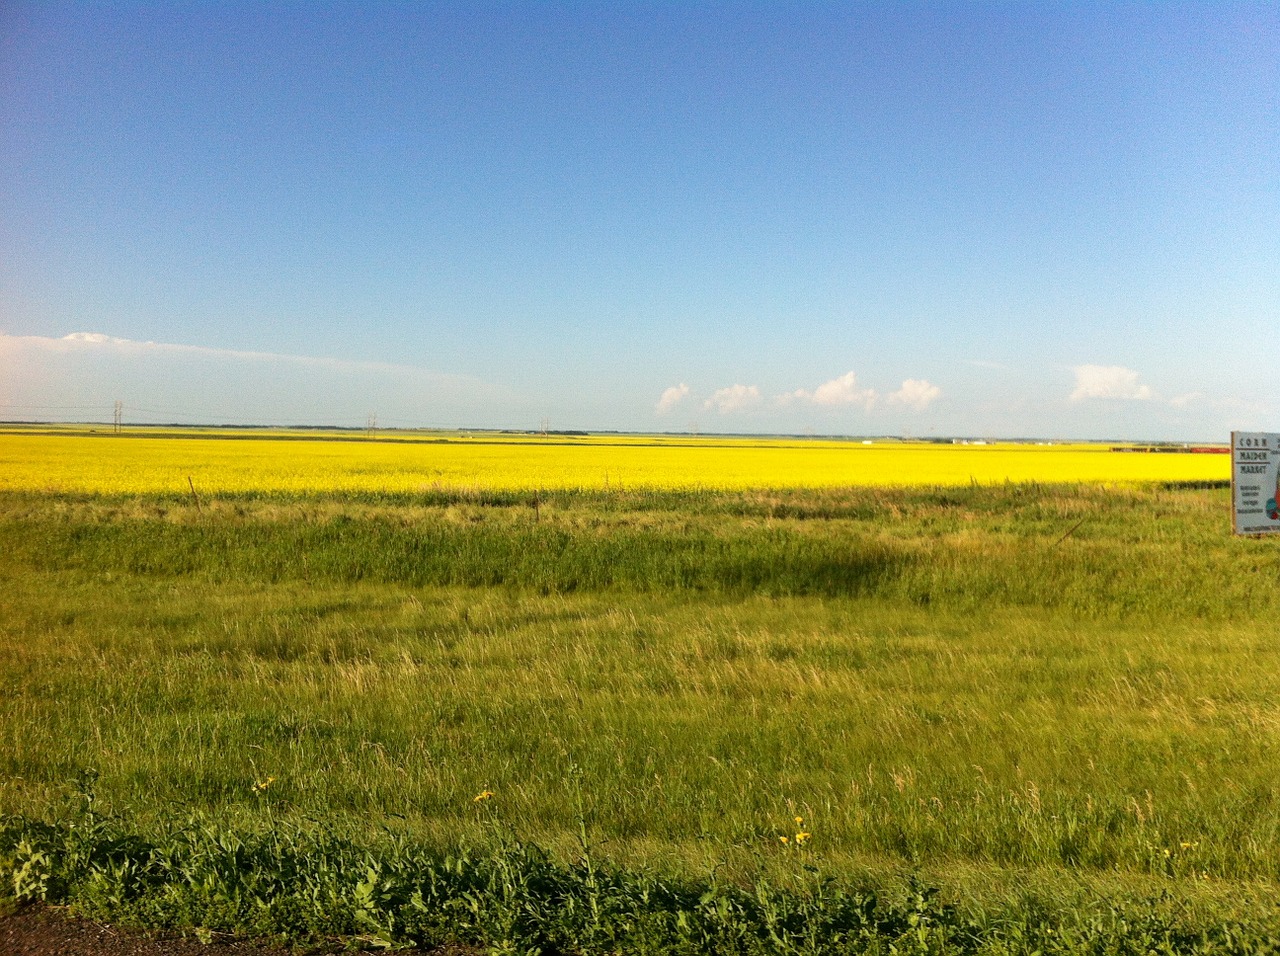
(1021, 717)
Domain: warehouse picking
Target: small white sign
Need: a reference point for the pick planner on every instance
(1255, 482)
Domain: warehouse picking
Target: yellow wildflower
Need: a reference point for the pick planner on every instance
(482, 796)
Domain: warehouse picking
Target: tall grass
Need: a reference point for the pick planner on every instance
(304, 882)
(1087, 551)
(996, 688)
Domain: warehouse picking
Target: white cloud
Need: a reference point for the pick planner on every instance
(96, 338)
(672, 397)
(1108, 381)
(734, 398)
(89, 342)
(915, 393)
(77, 376)
(839, 391)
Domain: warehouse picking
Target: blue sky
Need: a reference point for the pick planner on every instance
(990, 219)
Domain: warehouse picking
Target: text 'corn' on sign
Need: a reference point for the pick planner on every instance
(1255, 482)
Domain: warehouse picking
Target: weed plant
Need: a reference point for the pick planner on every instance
(303, 883)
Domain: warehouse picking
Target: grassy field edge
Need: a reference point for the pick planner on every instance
(307, 882)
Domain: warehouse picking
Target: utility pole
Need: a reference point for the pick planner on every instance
(371, 423)
(546, 423)
(119, 416)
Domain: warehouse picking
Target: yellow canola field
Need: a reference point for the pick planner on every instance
(413, 462)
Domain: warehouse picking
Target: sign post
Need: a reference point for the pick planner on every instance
(1255, 482)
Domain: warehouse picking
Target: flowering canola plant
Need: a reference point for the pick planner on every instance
(147, 461)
